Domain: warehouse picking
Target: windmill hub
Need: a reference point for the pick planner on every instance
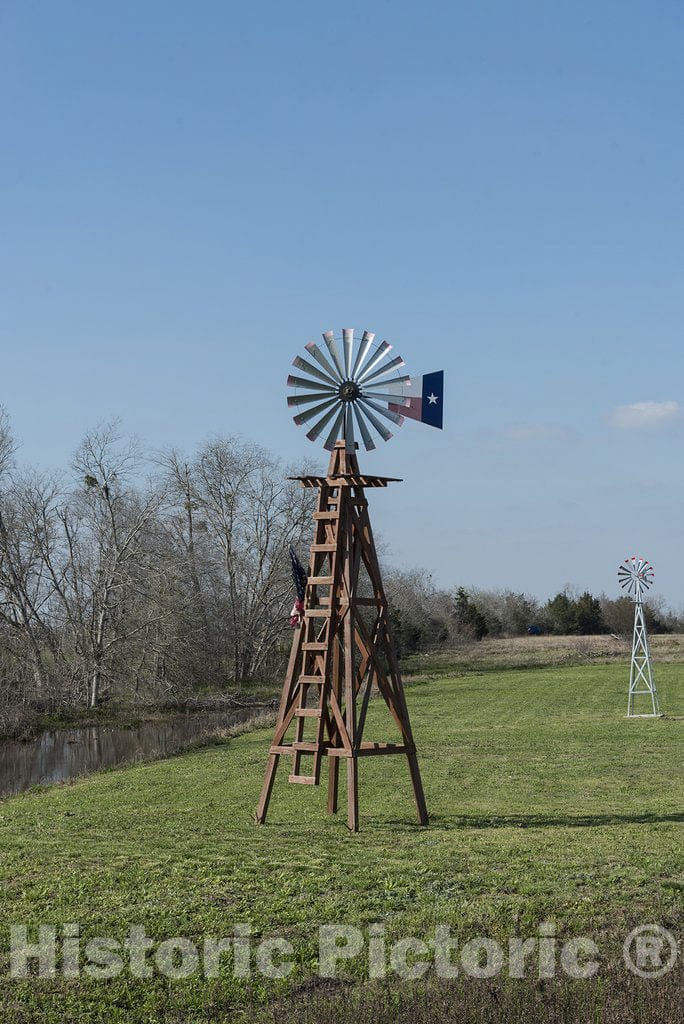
(349, 391)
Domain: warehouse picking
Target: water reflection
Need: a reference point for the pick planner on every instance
(59, 754)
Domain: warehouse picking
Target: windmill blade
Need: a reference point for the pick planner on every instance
(365, 432)
(381, 351)
(401, 382)
(348, 341)
(366, 342)
(304, 364)
(349, 439)
(315, 351)
(335, 430)
(397, 399)
(319, 427)
(329, 339)
(382, 430)
(397, 361)
(312, 385)
(312, 396)
(308, 414)
(395, 417)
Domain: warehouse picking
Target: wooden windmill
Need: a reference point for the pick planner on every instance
(342, 646)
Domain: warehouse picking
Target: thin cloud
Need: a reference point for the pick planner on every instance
(645, 415)
(534, 432)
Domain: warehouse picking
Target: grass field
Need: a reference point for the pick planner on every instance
(546, 805)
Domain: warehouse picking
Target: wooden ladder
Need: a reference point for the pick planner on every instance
(317, 642)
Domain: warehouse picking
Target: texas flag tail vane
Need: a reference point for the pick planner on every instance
(423, 399)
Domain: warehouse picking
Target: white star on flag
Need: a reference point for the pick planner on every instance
(432, 399)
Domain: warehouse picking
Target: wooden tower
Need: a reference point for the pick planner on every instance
(340, 651)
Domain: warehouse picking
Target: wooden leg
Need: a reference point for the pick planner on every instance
(266, 789)
(419, 796)
(353, 794)
(333, 783)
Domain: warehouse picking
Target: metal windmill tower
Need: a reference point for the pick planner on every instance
(342, 645)
(636, 575)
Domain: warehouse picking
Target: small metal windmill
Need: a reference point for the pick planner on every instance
(342, 647)
(635, 576)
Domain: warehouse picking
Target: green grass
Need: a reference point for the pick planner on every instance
(545, 804)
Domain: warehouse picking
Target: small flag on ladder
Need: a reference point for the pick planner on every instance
(299, 575)
(423, 399)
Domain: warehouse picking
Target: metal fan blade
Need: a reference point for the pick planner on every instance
(312, 385)
(401, 382)
(397, 399)
(315, 351)
(349, 439)
(308, 414)
(348, 341)
(329, 339)
(366, 342)
(382, 430)
(395, 417)
(319, 427)
(365, 432)
(312, 396)
(304, 364)
(381, 351)
(335, 431)
(397, 361)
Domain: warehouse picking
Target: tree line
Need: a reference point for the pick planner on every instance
(426, 617)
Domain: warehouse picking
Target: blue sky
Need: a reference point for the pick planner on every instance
(189, 193)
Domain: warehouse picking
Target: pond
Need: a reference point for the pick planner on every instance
(56, 755)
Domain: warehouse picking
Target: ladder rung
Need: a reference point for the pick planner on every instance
(326, 515)
(304, 780)
(317, 613)
(324, 547)
(311, 680)
(296, 748)
(308, 713)
(323, 580)
(315, 645)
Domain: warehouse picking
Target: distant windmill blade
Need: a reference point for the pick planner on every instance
(346, 392)
(329, 339)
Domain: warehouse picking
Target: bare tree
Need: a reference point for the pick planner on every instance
(252, 513)
(101, 563)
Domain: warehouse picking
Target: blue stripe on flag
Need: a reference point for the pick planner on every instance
(433, 388)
